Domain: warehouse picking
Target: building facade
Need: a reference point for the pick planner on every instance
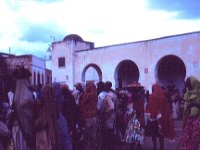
(36, 65)
(167, 60)
(3, 77)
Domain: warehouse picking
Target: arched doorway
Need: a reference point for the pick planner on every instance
(126, 73)
(92, 72)
(171, 70)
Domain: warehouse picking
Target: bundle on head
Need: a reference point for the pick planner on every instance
(21, 73)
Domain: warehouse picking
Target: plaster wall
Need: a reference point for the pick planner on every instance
(32, 63)
(66, 49)
(79, 45)
(62, 74)
(145, 54)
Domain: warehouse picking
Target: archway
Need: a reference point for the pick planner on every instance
(92, 72)
(171, 70)
(126, 73)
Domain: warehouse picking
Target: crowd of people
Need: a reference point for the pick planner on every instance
(96, 117)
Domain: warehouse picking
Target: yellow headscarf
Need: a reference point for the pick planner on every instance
(192, 98)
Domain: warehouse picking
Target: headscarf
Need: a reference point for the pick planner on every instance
(158, 105)
(48, 114)
(80, 86)
(70, 108)
(192, 98)
(24, 107)
(88, 102)
(77, 95)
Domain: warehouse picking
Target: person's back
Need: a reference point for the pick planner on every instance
(74, 119)
(109, 116)
(24, 111)
(101, 94)
(62, 128)
(46, 120)
(160, 123)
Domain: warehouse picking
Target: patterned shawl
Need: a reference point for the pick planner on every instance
(24, 108)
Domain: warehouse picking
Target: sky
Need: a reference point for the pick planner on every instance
(30, 26)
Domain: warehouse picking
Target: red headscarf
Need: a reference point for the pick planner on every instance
(88, 102)
(158, 104)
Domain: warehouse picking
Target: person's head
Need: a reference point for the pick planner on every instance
(192, 83)
(100, 87)
(108, 86)
(58, 95)
(157, 89)
(66, 91)
(90, 87)
(147, 92)
(79, 86)
(20, 72)
(188, 84)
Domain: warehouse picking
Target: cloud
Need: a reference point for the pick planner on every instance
(41, 32)
(23, 47)
(29, 26)
(48, 1)
(186, 9)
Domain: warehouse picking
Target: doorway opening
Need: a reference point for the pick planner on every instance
(171, 71)
(126, 73)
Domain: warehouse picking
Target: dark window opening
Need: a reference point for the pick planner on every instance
(61, 62)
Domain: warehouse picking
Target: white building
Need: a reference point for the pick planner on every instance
(63, 58)
(165, 60)
(36, 65)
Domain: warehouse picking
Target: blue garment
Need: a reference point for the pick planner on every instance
(58, 93)
(63, 133)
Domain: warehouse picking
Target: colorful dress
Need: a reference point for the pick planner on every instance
(134, 131)
(191, 114)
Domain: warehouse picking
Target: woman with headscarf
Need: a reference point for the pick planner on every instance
(72, 114)
(78, 92)
(24, 112)
(46, 121)
(65, 141)
(88, 108)
(160, 121)
(191, 115)
(101, 97)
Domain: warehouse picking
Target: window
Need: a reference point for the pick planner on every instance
(61, 62)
